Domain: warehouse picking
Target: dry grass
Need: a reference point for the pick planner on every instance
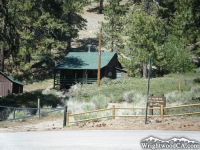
(31, 120)
(39, 85)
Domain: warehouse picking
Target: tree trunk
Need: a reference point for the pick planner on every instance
(69, 19)
(1, 59)
(68, 44)
(144, 70)
(27, 59)
(101, 7)
(147, 6)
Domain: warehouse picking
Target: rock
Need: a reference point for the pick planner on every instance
(98, 125)
(103, 124)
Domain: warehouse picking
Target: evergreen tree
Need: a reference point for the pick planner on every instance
(37, 27)
(177, 57)
(146, 35)
(187, 20)
(182, 34)
(113, 26)
(165, 29)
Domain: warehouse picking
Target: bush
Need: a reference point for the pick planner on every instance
(180, 98)
(88, 106)
(100, 101)
(107, 81)
(115, 99)
(20, 114)
(132, 96)
(74, 106)
(197, 71)
(196, 92)
(30, 100)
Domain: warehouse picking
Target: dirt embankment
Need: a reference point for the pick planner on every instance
(47, 124)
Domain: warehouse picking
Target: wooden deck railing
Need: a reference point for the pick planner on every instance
(75, 80)
(113, 115)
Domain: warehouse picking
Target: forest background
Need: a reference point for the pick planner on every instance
(36, 35)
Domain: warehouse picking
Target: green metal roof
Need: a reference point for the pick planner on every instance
(84, 60)
(11, 78)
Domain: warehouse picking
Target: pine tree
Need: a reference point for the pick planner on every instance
(146, 35)
(113, 27)
(36, 28)
(182, 34)
(188, 16)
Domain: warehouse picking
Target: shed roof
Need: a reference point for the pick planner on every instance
(11, 78)
(85, 60)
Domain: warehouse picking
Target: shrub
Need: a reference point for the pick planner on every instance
(30, 100)
(177, 98)
(20, 114)
(74, 106)
(196, 92)
(88, 106)
(115, 99)
(107, 81)
(100, 101)
(132, 96)
(52, 92)
(197, 71)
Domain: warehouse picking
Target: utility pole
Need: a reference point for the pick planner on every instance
(99, 58)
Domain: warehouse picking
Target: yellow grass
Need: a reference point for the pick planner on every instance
(41, 85)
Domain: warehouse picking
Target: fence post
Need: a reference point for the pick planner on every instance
(113, 112)
(39, 107)
(67, 118)
(150, 110)
(14, 114)
(64, 119)
(161, 112)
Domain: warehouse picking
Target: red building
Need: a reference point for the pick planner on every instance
(9, 85)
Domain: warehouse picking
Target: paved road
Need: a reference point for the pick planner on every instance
(85, 139)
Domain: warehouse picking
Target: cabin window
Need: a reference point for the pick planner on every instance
(119, 74)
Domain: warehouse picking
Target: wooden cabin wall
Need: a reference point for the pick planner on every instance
(17, 88)
(110, 70)
(5, 86)
(92, 73)
(79, 73)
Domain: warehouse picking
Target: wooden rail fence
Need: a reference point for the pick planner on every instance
(162, 114)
